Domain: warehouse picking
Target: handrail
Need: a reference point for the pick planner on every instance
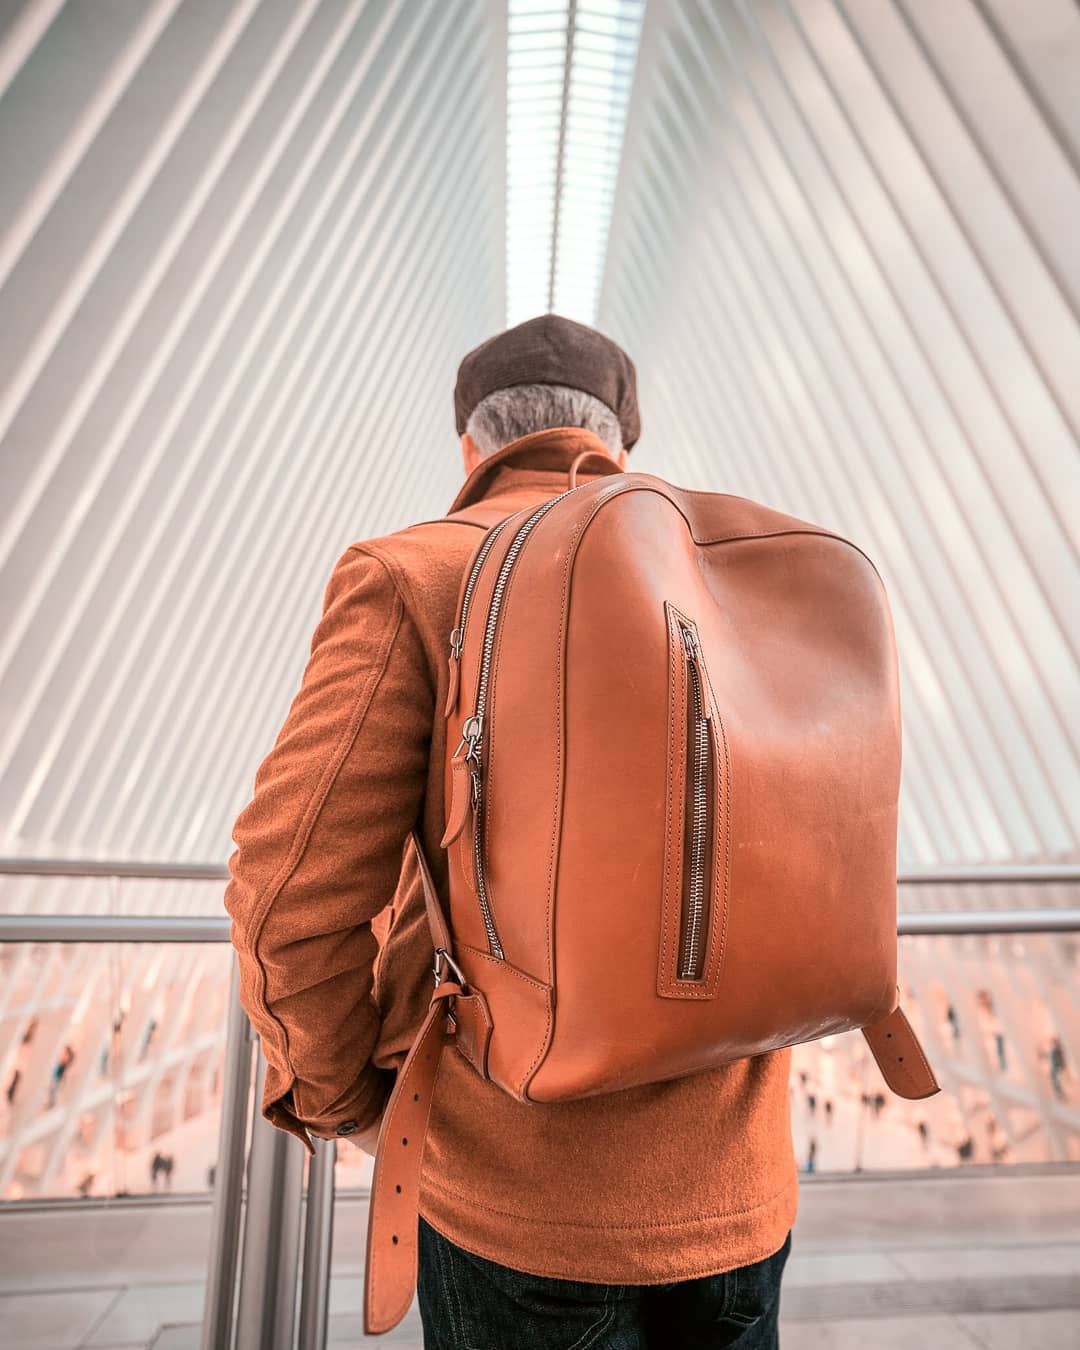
(181, 928)
(93, 867)
(971, 922)
(114, 928)
(980, 874)
(991, 874)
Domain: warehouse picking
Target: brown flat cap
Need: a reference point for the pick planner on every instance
(551, 350)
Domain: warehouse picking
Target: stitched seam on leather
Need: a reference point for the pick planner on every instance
(776, 532)
(672, 813)
(918, 1049)
(502, 965)
(724, 842)
(438, 1184)
(560, 777)
(727, 838)
(679, 700)
(708, 986)
(303, 833)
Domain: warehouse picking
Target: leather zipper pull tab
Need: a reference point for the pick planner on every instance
(452, 692)
(462, 797)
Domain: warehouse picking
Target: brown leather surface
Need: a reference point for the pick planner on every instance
(583, 734)
(801, 667)
(391, 1260)
(454, 1016)
(900, 1057)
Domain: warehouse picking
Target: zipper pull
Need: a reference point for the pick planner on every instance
(471, 731)
(457, 641)
(464, 795)
(692, 643)
(452, 689)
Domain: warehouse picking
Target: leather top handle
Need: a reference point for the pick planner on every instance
(602, 463)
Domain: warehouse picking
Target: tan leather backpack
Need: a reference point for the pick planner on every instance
(672, 814)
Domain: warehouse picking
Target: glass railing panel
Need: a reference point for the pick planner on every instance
(111, 1065)
(199, 896)
(998, 1017)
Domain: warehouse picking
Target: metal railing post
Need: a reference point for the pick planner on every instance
(266, 1312)
(318, 1247)
(227, 1210)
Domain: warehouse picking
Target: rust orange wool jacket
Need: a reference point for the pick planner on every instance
(664, 1182)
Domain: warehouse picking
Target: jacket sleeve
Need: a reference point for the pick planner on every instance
(318, 853)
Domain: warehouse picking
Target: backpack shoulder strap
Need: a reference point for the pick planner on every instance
(455, 1012)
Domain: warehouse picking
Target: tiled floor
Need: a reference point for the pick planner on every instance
(987, 1263)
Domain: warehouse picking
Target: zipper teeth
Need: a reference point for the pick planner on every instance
(516, 545)
(699, 822)
(474, 576)
(494, 945)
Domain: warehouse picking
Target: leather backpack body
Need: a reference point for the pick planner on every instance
(672, 785)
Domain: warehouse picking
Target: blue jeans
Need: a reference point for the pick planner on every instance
(470, 1303)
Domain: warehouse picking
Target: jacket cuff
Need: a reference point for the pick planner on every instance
(352, 1113)
(280, 1113)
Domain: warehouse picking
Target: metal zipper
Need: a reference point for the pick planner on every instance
(457, 637)
(698, 753)
(473, 729)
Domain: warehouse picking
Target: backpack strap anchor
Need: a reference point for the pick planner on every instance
(456, 1014)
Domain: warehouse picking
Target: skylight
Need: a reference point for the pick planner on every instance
(570, 68)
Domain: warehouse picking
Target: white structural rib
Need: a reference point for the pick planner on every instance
(242, 265)
(843, 255)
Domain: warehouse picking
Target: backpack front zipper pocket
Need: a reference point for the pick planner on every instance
(696, 872)
(699, 813)
(472, 732)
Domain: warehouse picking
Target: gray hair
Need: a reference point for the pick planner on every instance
(506, 414)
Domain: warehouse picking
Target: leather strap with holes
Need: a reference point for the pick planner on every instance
(392, 1237)
(900, 1056)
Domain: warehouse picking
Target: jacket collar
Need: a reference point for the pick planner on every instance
(541, 459)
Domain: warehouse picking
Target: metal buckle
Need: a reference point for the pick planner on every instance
(442, 956)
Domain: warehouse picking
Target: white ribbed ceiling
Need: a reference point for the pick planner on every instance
(570, 64)
(845, 255)
(242, 248)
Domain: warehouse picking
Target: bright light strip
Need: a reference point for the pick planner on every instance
(562, 205)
